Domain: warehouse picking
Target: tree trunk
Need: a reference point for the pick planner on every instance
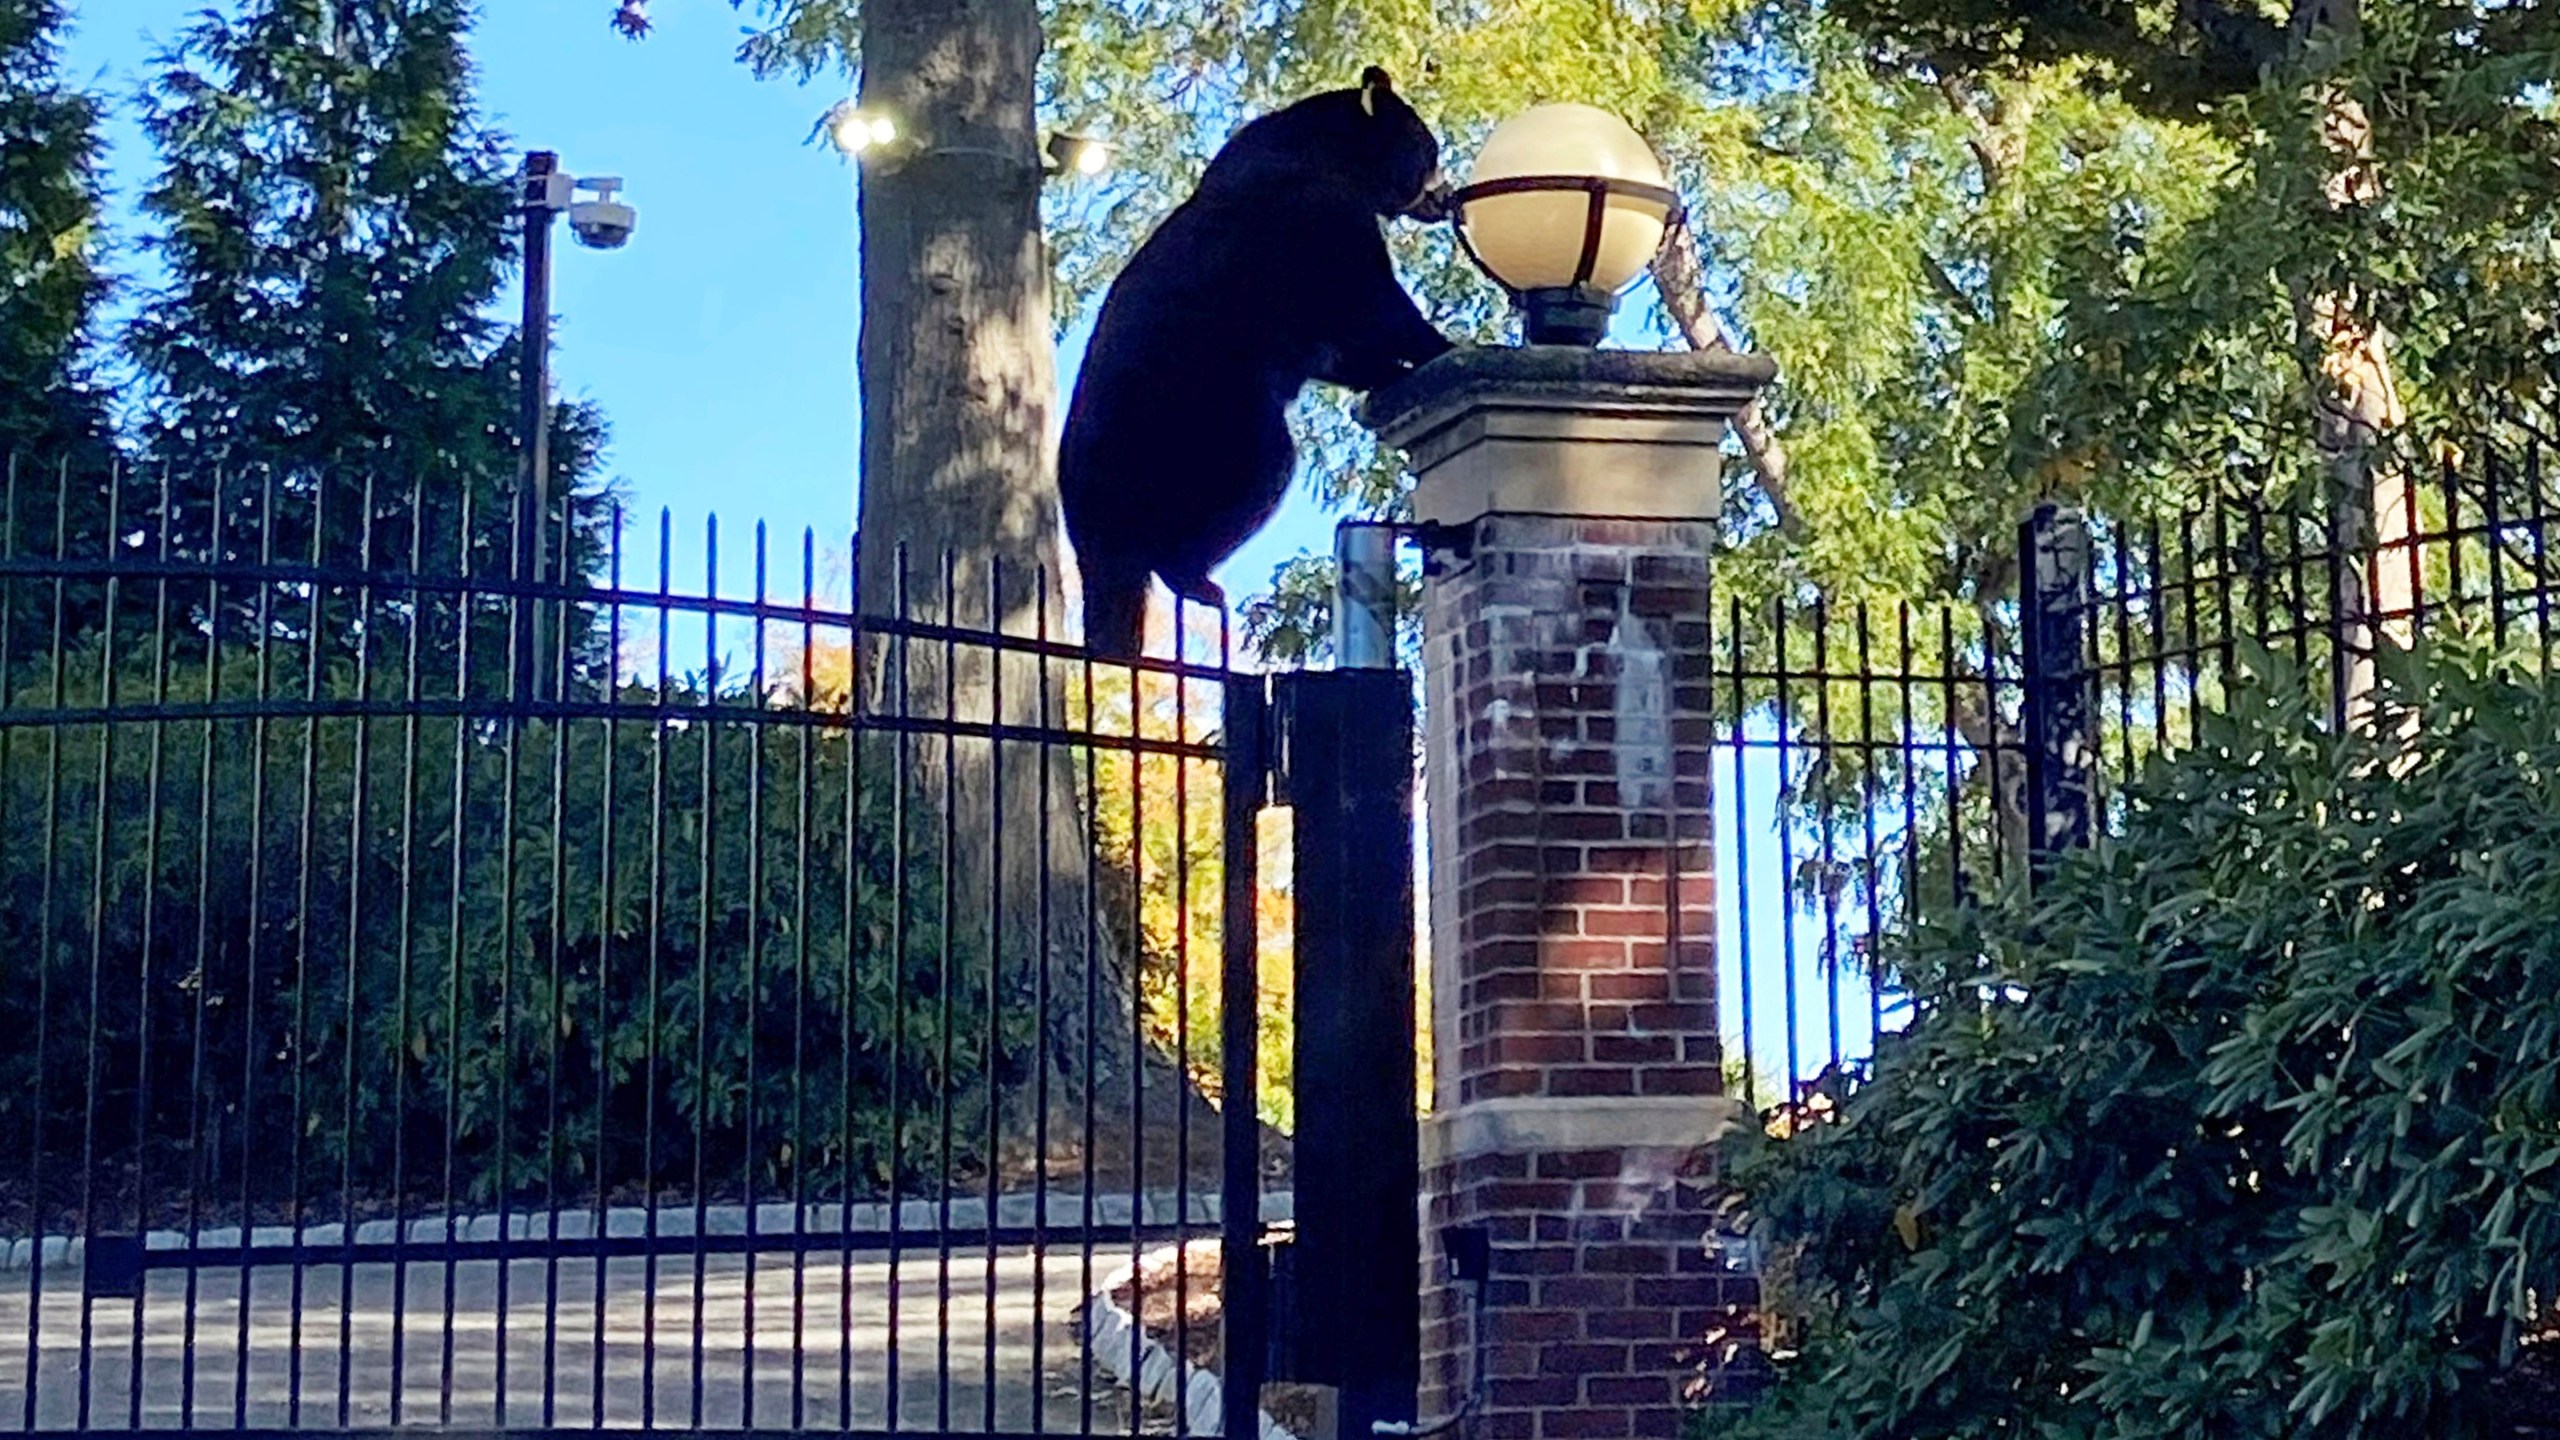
(1679, 276)
(2356, 400)
(958, 510)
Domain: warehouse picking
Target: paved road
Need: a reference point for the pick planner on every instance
(794, 1372)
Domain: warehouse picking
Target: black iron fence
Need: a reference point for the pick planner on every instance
(1876, 763)
(721, 990)
(633, 1000)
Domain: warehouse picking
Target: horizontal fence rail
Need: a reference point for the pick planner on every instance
(669, 998)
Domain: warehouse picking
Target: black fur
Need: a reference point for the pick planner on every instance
(1274, 273)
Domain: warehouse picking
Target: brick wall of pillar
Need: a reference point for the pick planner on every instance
(1577, 1061)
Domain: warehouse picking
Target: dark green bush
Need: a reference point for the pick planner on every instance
(359, 959)
(2247, 1124)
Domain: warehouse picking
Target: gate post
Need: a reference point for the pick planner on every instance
(1346, 772)
(1567, 500)
(2061, 708)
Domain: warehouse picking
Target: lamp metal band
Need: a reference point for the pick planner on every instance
(1598, 187)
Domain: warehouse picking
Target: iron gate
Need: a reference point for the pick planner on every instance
(437, 1000)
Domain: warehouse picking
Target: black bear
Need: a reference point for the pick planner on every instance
(1274, 273)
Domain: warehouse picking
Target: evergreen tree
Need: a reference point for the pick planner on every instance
(338, 226)
(53, 421)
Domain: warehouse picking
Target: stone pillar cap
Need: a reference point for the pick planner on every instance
(1718, 382)
(1565, 430)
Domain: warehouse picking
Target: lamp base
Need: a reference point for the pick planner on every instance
(1566, 315)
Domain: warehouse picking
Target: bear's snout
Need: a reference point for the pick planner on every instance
(1432, 205)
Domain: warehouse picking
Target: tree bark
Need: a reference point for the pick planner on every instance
(958, 511)
(958, 374)
(2356, 400)
(1680, 277)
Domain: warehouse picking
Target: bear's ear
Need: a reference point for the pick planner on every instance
(1373, 80)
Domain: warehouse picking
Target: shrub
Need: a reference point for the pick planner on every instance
(2247, 1123)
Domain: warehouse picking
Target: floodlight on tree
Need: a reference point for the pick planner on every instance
(854, 131)
(1072, 154)
(1565, 207)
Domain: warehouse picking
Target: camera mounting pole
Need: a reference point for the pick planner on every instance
(546, 193)
(602, 223)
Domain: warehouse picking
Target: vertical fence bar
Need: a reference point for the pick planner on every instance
(307, 866)
(1783, 795)
(946, 980)
(2538, 521)
(608, 921)
(555, 940)
(464, 605)
(706, 902)
(661, 724)
(901, 672)
(993, 1064)
(1045, 758)
(1182, 1008)
(1823, 773)
(351, 1020)
(103, 808)
(1136, 959)
(39, 1107)
(1737, 722)
(511, 923)
(751, 1001)
(405, 959)
(1909, 748)
(1091, 958)
(1243, 1283)
(803, 883)
(1870, 756)
(251, 1045)
(144, 972)
(2156, 580)
(2060, 711)
(850, 981)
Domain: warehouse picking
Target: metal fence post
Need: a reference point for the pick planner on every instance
(1364, 595)
(2061, 709)
(1346, 773)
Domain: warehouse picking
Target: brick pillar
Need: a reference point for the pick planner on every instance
(1577, 1065)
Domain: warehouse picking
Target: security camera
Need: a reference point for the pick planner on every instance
(602, 223)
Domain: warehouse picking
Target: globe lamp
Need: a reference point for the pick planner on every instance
(1565, 207)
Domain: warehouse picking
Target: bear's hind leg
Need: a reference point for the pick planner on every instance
(1198, 589)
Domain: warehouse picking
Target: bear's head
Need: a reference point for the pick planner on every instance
(1365, 138)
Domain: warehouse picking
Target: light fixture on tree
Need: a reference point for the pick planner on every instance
(855, 131)
(1073, 154)
(879, 142)
(1565, 207)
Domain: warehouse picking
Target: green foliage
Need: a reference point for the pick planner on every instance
(701, 947)
(2244, 1125)
(49, 245)
(338, 227)
(2203, 359)
(55, 440)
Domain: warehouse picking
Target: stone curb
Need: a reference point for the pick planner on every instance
(915, 1217)
(1108, 1331)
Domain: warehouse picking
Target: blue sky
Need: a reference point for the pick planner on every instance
(720, 342)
